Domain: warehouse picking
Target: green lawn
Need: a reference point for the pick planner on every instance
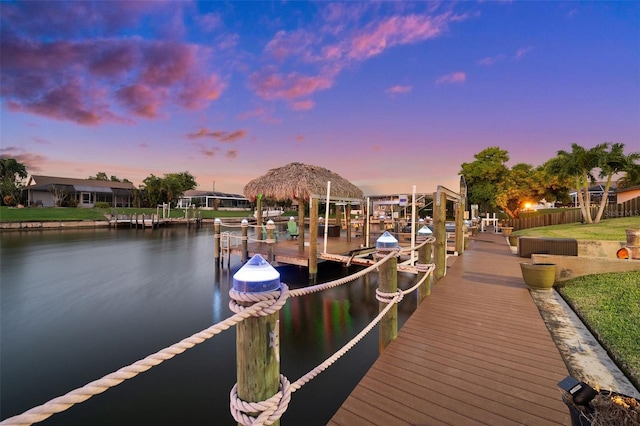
(45, 214)
(608, 229)
(610, 306)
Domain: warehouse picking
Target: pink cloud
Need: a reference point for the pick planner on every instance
(219, 135)
(140, 99)
(299, 138)
(394, 31)
(302, 105)
(74, 79)
(32, 161)
(270, 85)
(395, 90)
(286, 44)
(454, 77)
(490, 60)
(232, 153)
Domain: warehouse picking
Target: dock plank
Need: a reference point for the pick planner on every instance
(475, 352)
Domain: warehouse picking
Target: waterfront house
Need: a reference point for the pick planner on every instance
(52, 191)
(213, 200)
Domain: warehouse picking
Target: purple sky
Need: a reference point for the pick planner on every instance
(388, 95)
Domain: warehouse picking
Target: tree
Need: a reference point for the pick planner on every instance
(613, 162)
(12, 175)
(579, 165)
(99, 176)
(483, 175)
(59, 194)
(168, 189)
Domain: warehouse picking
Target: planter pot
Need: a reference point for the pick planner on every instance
(601, 412)
(507, 230)
(538, 276)
(513, 240)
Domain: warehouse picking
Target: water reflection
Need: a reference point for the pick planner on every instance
(76, 305)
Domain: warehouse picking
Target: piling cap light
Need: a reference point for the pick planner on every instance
(291, 218)
(386, 240)
(425, 231)
(256, 276)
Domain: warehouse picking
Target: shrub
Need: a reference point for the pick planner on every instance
(102, 205)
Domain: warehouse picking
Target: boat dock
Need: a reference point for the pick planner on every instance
(475, 352)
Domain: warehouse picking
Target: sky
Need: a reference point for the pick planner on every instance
(389, 95)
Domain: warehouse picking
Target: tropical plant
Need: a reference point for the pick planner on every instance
(12, 174)
(578, 165)
(614, 161)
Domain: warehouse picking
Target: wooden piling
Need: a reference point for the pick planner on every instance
(313, 238)
(245, 240)
(388, 273)
(216, 242)
(257, 350)
(424, 257)
(440, 232)
(271, 240)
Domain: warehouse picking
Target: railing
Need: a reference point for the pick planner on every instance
(247, 306)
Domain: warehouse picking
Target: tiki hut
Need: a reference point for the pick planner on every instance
(303, 183)
(297, 181)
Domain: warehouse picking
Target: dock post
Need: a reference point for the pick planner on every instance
(388, 273)
(245, 251)
(216, 242)
(424, 258)
(440, 232)
(257, 337)
(271, 240)
(313, 239)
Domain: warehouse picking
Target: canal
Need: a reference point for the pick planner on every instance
(79, 304)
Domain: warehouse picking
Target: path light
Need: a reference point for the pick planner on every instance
(257, 275)
(386, 241)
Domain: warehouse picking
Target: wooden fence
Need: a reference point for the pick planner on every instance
(626, 209)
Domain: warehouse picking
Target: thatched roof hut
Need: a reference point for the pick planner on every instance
(300, 181)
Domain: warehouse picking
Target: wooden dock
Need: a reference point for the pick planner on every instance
(475, 352)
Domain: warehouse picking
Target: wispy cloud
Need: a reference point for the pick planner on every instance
(396, 90)
(490, 60)
(454, 77)
(522, 52)
(221, 136)
(32, 161)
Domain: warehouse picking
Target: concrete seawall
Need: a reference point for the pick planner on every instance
(25, 226)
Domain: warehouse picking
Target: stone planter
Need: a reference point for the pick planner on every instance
(538, 276)
(507, 230)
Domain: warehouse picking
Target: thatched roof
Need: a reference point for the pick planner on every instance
(297, 180)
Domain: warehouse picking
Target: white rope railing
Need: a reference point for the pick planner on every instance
(273, 408)
(265, 303)
(64, 402)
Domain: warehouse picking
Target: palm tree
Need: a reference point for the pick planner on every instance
(579, 164)
(612, 162)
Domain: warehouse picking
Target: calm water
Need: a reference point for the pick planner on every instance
(79, 304)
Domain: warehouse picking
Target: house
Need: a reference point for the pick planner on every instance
(51, 191)
(213, 200)
(629, 193)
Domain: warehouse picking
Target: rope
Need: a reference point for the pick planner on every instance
(64, 402)
(324, 286)
(265, 303)
(273, 408)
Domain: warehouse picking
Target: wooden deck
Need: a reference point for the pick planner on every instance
(474, 352)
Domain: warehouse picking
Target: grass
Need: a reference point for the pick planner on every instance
(609, 304)
(607, 229)
(46, 214)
